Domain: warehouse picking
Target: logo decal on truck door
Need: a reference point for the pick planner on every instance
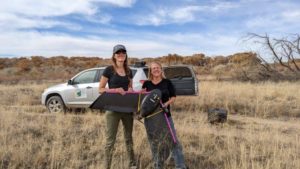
(80, 93)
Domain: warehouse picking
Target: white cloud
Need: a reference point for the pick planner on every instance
(222, 6)
(47, 8)
(291, 15)
(13, 22)
(35, 13)
(18, 19)
(50, 44)
(20, 14)
(121, 3)
(260, 21)
(150, 45)
(166, 15)
(184, 14)
(47, 44)
(191, 43)
(102, 19)
(43, 8)
(280, 22)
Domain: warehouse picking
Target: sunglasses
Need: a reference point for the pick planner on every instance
(121, 51)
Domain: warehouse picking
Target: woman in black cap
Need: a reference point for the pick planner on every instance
(119, 79)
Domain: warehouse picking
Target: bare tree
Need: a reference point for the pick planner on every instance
(285, 51)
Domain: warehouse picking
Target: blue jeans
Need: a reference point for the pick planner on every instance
(158, 154)
(177, 150)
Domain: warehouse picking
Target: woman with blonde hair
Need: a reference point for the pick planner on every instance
(157, 80)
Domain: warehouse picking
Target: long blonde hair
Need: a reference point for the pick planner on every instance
(150, 76)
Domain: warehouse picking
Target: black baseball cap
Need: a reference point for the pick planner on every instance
(118, 48)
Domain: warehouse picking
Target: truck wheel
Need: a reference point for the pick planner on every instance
(55, 105)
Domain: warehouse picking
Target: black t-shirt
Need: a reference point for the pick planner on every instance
(165, 86)
(115, 80)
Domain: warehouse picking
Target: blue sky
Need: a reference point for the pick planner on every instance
(148, 28)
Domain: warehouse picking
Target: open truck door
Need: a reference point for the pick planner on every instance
(183, 78)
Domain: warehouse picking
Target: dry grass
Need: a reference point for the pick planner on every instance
(267, 100)
(32, 138)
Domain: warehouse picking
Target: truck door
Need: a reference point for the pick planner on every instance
(183, 79)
